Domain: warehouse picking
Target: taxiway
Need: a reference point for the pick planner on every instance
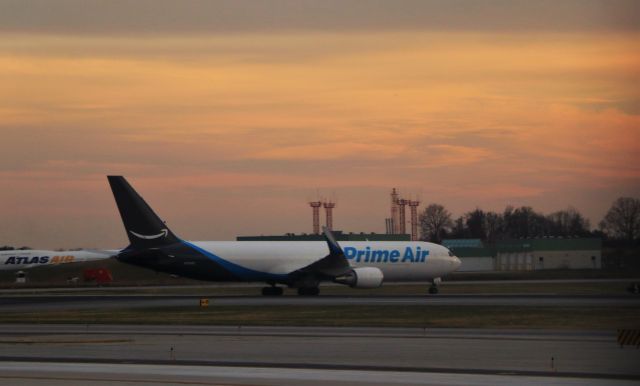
(124, 354)
(80, 302)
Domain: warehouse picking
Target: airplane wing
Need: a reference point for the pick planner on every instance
(333, 265)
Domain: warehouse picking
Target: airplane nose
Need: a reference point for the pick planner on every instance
(456, 263)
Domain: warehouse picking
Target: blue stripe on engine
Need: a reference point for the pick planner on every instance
(238, 270)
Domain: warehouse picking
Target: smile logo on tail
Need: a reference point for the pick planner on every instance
(163, 233)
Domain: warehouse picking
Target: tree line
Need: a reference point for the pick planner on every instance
(622, 222)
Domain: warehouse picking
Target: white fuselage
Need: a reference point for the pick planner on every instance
(24, 259)
(399, 261)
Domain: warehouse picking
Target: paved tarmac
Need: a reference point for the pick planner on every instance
(67, 374)
(131, 354)
(258, 286)
(40, 354)
(9, 303)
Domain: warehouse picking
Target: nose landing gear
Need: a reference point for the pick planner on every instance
(433, 289)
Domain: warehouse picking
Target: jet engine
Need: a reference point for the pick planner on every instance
(365, 277)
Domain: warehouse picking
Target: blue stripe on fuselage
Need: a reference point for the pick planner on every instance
(238, 270)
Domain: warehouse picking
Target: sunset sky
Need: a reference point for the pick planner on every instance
(228, 116)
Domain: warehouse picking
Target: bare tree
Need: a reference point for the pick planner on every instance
(623, 219)
(435, 221)
(495, 226)
(459, 229)
(476, 222)
(568, 222)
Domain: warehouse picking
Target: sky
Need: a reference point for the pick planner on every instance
(229, 116)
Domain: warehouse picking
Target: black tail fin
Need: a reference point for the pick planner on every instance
(143, 226)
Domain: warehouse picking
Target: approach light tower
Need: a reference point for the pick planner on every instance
(403, 224)
(328, 208)
(394, 212)
(413, 206)
(315, 206)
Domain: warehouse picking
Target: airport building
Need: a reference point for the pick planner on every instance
(549, 253)
(475, 256)
(339, 235)
(528, 254)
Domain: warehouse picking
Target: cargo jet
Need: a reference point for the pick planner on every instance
(297, 264)
(24, 259)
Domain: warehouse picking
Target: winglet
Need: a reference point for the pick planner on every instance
(334, 248)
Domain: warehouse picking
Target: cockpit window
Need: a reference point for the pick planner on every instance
(451, 254)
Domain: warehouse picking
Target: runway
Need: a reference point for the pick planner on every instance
(131, 354)
(79, 302)
(77, 354)
(63, 374)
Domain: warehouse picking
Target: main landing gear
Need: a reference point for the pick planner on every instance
(272, 291)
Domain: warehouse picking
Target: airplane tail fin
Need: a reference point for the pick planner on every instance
(144, 228)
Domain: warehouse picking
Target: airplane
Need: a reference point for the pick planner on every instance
(23, 259)
(297, 264)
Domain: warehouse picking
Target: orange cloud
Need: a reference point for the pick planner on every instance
(460, 116)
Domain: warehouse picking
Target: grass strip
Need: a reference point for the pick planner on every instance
(597, 318)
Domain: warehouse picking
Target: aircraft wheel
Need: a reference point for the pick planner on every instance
(308, 291)
(272, 291)
(433, 290)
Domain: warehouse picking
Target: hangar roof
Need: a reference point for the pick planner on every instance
(550, 244)
(475, 247)
(462, 243)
